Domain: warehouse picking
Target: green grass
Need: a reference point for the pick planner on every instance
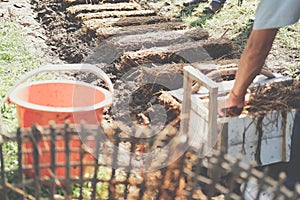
(233, 22)
(16, 59)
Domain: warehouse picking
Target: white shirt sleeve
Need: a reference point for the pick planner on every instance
(276, 13)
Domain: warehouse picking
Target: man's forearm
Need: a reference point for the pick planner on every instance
(253, 59)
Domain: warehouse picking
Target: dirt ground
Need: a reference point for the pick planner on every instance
(51, 42)
(21, 11)
(57, 38)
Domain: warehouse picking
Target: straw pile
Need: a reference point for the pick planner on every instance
(274, 96)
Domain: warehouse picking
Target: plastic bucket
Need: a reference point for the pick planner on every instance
(40, 102)
(58, 101)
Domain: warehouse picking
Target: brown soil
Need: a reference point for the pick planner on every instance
(123, 38)
(142, 51)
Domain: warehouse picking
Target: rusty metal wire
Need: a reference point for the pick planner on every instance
(41, 174)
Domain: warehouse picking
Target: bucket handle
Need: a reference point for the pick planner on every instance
(65, 67)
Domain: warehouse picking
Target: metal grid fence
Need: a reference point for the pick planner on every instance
(59, 162)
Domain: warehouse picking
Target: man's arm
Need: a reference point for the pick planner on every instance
(251, 63)
(253, 58)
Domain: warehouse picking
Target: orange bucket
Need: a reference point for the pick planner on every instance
(60, 100)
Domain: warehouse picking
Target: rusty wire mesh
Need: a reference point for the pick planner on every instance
(59, 162)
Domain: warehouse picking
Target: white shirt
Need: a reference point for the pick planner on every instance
(276, 13)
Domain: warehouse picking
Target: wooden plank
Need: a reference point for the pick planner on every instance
(186, 107)
(212, 117)
(188, 52)
(223, 88)
(122, 13)
(243, 138)
(195, 75)
(209, 66)
(84, 8)
(103, 33)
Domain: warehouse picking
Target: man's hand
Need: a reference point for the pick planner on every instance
(234, 104)
(251, 63)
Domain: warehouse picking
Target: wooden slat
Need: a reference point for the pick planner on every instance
(84, 8)
(212, 117)
(187, 105)
(107, 14)
(190, 75)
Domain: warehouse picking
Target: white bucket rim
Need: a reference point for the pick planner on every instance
(21, 103)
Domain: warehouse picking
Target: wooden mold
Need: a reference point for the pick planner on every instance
(261, 140)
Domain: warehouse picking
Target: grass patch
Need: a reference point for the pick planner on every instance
(16, 59)
(234, 22)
